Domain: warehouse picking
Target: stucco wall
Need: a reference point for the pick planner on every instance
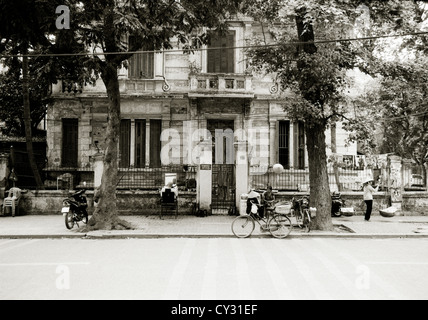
(414, 203)
(129, 202)
(146, 202)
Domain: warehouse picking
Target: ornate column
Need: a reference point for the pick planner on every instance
(204, 176)
(395, 182)
(242, 170)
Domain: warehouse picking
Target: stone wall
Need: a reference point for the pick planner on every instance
(46, 202)
(414, 203)
(147, 202)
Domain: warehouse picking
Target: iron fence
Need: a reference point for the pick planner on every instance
(298, 179)
(57, 178)
(128, 178)
(155, 178)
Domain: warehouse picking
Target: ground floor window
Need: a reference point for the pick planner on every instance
(291, 132)
(140, 141)
(70, 138)
(284, 143)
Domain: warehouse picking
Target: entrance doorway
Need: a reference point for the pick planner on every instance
(223, 168)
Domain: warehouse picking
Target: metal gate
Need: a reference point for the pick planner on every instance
(223, 188)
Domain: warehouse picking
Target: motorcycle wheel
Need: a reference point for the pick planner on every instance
(69, 220)
(85, 219)
(336, 214)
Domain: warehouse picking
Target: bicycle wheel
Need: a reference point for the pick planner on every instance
(280, 226)
(243, 226)
(307, 220)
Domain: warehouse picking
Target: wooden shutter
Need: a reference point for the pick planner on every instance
(221, 60)
(155, 143)
(284, 143)
(125, 143)
(70, 138)
(299, 145)
(140, 143)
(141, 65)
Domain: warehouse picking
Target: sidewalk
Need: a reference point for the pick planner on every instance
(52, 226)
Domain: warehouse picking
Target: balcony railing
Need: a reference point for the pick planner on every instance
(220, 83)
(71, 87)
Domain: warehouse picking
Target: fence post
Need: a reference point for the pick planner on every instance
(396, 183)
(204, 183)
(98, 160)
(242, 171)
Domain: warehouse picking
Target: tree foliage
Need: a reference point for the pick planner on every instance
(105, 27)
(310, 56)
(396, 107)
(11, 98)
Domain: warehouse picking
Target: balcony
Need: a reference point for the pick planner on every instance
(227, 85)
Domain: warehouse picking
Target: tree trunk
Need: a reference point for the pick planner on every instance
(334, 151)
(318, 176)
(320, 197)
(105, 216)
(27, 122)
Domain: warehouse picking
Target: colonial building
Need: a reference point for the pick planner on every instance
(204, 116)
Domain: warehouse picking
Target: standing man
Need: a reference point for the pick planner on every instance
(368, 197)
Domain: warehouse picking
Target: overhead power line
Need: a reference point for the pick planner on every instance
(420, 114)
(290, 43)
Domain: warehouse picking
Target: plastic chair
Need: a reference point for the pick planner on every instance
(168, 202)
(12, 200)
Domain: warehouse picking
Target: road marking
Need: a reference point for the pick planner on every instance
(242, 270)
(18, 245)
(279, 281)
(326, 258)
(176, 279)
(209, 283)
(390, 291)
(6, 242)
(298, 259)
(37, 264)
(397, 263)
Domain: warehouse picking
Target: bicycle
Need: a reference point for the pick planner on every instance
(302, 212)
(279, 225)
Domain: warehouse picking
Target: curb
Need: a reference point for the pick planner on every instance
(88, 236)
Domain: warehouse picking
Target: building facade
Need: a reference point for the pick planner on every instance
(180, 111)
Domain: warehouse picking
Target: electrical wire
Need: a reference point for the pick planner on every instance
(404, 117)
(291, 43)
(397, 118)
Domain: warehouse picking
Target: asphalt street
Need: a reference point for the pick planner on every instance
(214, 268)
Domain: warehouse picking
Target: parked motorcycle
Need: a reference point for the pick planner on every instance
(74, 209)
(336, 204)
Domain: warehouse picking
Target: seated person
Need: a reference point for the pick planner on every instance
(173, 188)
(254, 196)
(268, 199)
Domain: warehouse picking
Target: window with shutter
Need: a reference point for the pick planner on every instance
(125, 143)
(140, 143)
(221, 55)
(300, 144)
(70, 138)
(284, 143)
(155, 143)
(141, 65)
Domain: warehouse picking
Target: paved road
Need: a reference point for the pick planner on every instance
(217, 268)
